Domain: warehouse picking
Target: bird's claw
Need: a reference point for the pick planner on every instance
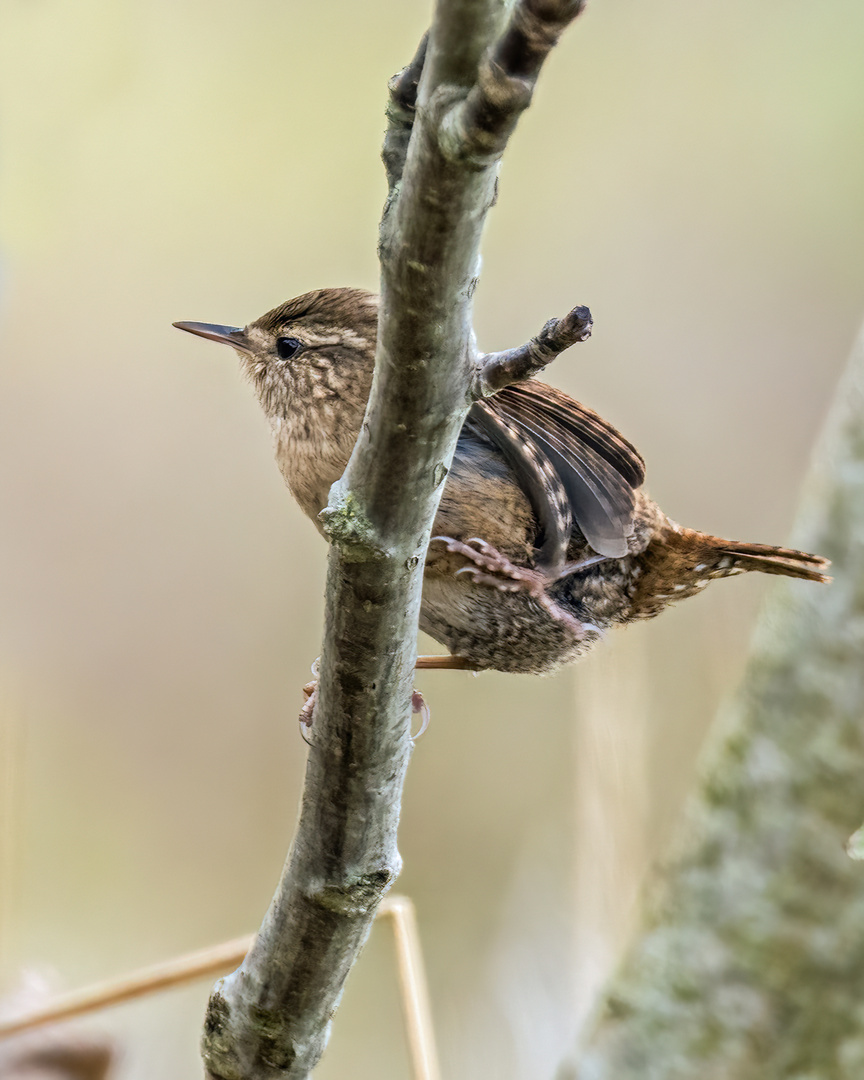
(421, 709)
(310, 692)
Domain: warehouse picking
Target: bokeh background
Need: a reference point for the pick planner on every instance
(692, 171)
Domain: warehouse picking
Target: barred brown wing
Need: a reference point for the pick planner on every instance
(542, 432)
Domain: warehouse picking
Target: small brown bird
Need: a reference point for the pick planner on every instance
(544, 540)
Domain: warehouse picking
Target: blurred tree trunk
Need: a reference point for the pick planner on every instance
(751, 963)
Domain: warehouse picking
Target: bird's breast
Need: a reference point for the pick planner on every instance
(311, 459)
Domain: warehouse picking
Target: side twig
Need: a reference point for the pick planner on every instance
(401, 109)
(500, 369)
(478, 127)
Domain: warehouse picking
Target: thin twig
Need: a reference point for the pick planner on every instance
(478, 127)
(182, 969)
(414, 987)
(400, 114)
(500, 369)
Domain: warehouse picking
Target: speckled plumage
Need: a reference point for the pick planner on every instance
(550, 487)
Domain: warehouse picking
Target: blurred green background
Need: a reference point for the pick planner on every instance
(692, 171)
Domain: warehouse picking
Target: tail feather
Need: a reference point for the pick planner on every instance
(680, 562)
(774, 560)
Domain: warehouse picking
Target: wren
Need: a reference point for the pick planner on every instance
(543, 540)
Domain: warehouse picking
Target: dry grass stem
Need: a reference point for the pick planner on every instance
(218, 959)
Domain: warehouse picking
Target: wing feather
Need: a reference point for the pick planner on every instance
(597, 467)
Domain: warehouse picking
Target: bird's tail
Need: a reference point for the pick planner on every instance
(733, 556)
(680, 562)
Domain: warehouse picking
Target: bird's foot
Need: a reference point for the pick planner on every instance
(310, 692)
(490, 567)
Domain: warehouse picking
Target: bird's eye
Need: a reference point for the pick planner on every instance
(288, 347)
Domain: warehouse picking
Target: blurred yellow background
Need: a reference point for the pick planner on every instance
(692, 171)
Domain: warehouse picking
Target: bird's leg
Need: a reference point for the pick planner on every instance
(490, 567)
(573, 567)
(443, 663)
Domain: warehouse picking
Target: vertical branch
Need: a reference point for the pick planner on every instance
(271, 1017)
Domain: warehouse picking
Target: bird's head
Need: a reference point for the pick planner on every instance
(315, 352)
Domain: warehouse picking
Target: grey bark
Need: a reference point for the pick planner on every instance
(752, 961)
(271, 1017)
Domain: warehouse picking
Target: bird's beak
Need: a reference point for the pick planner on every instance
(228, 335)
